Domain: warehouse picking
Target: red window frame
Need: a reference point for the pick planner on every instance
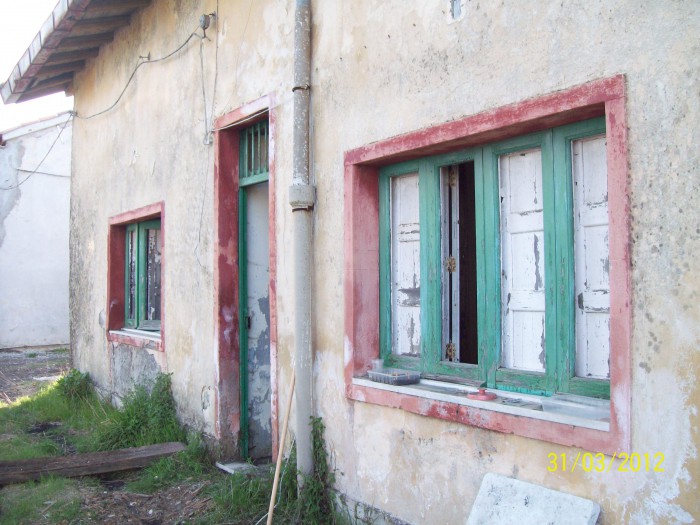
(605, 97)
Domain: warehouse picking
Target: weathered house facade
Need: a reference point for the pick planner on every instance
(504, 197)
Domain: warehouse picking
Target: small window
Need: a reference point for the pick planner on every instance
(254, 164)
(143, 276)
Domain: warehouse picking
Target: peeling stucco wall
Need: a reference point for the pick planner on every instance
(34, 211)
(151, 148)
(381, 69)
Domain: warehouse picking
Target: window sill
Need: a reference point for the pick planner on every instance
(515, 404)
(136, 338)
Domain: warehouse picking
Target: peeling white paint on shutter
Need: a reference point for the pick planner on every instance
(592, 288)
(405, 265)
(522, 261)
(153, 288)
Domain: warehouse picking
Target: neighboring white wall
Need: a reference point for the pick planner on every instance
(34, 216)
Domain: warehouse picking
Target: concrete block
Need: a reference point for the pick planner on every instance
(507, 500)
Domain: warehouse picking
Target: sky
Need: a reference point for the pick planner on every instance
(19, 24)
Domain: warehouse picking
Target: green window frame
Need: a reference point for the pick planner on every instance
(254, 147)
(142, 289)
(559, 266)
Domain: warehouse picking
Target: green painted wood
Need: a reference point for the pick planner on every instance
(551, 349)
(138, 320)
(385, 175)
(489, 265)
(254, 179)
(143, 322)
(130, 320)
(434, 363)
(559, 265)
(522, 381)
(430, 287)
(589, 387)
(384, 267)
(254, 154)
(564, 211)
(563, 215)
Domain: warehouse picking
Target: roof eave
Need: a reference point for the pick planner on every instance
(74, 27)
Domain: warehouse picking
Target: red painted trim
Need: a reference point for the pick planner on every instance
(570, 435)
(239, 117)
(272, 239)
(556, 109)
(152, 211)
(116, 252)
(226, 185)
(361, 279)
(620, 275)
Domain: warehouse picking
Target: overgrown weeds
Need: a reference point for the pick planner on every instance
(244, 498)
(146, 418)
(69, 417)
(75, 386)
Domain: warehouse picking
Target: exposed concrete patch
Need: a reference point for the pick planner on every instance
(131, 367)
(360, 513)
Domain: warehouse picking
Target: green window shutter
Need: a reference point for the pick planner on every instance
(557, 260)
(499, 278)
(149, 275)
(142, 291)
(567, 302)
(131, 264)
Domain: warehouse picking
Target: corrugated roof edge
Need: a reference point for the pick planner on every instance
(63, 17)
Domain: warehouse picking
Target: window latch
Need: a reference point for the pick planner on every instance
(450, 351)
(452, 178)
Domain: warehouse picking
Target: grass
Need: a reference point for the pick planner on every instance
(53, 500)
(146, 418)
(49, 423)
(68, 416)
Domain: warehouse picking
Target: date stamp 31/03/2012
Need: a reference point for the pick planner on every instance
(618, 462)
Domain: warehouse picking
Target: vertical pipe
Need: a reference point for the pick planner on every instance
(301, 198)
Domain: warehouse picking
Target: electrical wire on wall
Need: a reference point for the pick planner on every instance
(141, 62)
(208, 121)
(35, 170)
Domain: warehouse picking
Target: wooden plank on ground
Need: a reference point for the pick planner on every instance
(85, 464)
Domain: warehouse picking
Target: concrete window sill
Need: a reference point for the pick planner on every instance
(507, 402)
(136, 338)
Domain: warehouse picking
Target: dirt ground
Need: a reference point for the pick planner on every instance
(24, 372)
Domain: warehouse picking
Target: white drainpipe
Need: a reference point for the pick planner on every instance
(302, 197)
